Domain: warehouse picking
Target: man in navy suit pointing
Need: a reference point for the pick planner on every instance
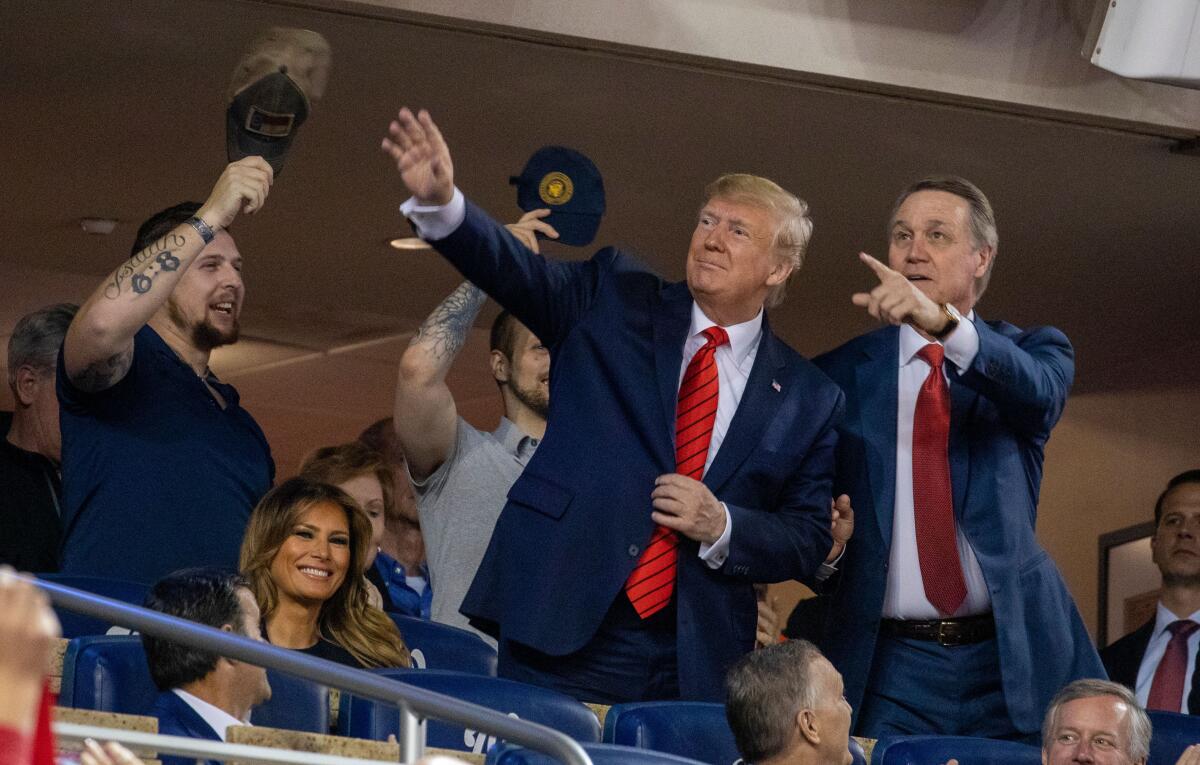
(688, 451)
(948, 616)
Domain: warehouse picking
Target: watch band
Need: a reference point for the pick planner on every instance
(203, 229)
(953, 317)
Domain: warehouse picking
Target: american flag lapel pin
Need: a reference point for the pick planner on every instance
(778, 388)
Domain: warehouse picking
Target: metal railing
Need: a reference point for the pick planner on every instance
(414, 703)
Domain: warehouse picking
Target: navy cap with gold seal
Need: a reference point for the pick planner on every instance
(569, 185)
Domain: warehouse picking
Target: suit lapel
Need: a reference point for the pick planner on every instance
(760, 401)
(672, 317)
(876, 379)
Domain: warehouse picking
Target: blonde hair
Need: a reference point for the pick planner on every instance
(347, 617)
(791, 213)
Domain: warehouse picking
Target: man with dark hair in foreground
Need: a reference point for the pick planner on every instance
(785, 706)
(202, 694)
(152, 440)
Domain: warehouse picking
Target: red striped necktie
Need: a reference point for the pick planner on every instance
(652, 582)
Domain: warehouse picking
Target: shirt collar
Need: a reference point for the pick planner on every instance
(218, 719)
(743, 338)
(512, 437)
(911, 341)
(1164, 617)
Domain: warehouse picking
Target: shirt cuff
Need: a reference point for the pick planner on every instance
(714, 555)
(434, 222)
(961, 345)
(829, 568)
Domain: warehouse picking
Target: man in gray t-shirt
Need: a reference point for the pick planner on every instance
(462, 475)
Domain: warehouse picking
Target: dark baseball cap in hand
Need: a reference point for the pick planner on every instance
(272, 91)
(569, 185)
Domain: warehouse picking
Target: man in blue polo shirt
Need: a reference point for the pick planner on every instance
(161, 466)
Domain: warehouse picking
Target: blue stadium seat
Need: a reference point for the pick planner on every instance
(109, 673)
(362, 718)
(77, 625)
(441, 646)
(1172, 734)
(923, 750)
(684, 728)
(601, 754)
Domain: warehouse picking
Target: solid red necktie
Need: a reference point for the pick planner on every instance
(933, 503)
(1166, 690)
(652, 582)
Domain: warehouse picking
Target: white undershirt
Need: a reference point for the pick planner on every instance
(905, 594)
(1154, 653)
(218, 719)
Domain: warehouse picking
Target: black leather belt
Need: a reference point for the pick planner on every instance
(948, 632)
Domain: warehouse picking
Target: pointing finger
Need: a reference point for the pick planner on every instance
(875, 265)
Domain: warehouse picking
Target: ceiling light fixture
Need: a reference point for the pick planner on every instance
(98, 226)
(409, 243)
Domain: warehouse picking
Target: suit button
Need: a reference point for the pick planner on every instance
(633, 551)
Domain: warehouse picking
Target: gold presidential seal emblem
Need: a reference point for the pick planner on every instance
(556, 189)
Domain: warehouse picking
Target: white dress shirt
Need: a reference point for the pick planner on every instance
(734, 360)
(218, 719)
(1154, 653)
(904, 597)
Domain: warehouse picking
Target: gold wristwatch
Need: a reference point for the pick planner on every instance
(953, 317)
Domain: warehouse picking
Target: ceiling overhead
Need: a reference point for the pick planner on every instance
(117, 110)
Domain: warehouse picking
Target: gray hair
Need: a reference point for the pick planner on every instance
(764, 691)
(36, 339)
(790, 211)
(983, 220)
(1137, 722)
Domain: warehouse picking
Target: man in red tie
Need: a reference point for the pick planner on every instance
(688, 451)
(948, 617)
(1158, 660)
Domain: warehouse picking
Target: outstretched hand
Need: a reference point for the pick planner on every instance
(242, 187)
(416, 146)
(897, 300)
(527, 227)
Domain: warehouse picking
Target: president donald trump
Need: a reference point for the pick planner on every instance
(688, 451)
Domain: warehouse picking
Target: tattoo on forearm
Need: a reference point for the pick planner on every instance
(140, 270)
(105, 373)
(445, 331)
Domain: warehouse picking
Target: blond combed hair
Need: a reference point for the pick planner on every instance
(794, 225)
(347, 618)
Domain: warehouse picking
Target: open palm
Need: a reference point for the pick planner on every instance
(416, 145)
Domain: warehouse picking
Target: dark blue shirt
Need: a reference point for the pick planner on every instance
(156, 475)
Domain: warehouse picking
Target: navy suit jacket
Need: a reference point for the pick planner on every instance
(1002, 410)
(176, 718)
(578, 518)
(1123, 659)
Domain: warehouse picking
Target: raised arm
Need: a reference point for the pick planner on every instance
(98, 348)
(426, 417)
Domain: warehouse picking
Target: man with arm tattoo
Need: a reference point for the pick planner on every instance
(461, 475)
(161, 465)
